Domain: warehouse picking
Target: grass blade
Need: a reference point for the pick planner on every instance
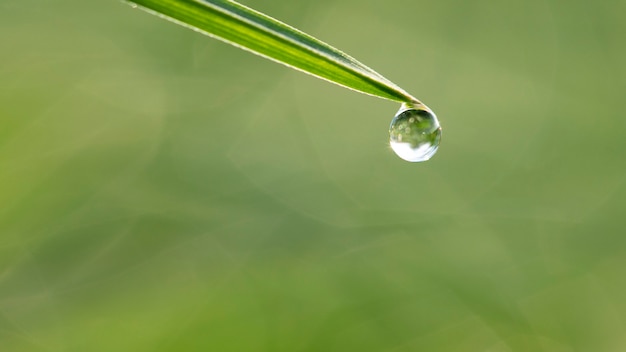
(251, 30)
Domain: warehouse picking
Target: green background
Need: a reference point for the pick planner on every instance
(163, 191)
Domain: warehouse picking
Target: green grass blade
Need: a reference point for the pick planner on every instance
(253, 31)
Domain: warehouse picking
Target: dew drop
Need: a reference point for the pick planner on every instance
(414, 134)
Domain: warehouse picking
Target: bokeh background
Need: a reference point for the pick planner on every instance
(163, 191)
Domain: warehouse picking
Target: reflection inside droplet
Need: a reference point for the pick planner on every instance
(414, 134)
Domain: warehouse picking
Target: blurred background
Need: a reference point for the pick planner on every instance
(163, 191)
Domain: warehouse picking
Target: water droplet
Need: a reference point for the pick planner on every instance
(414, 134)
